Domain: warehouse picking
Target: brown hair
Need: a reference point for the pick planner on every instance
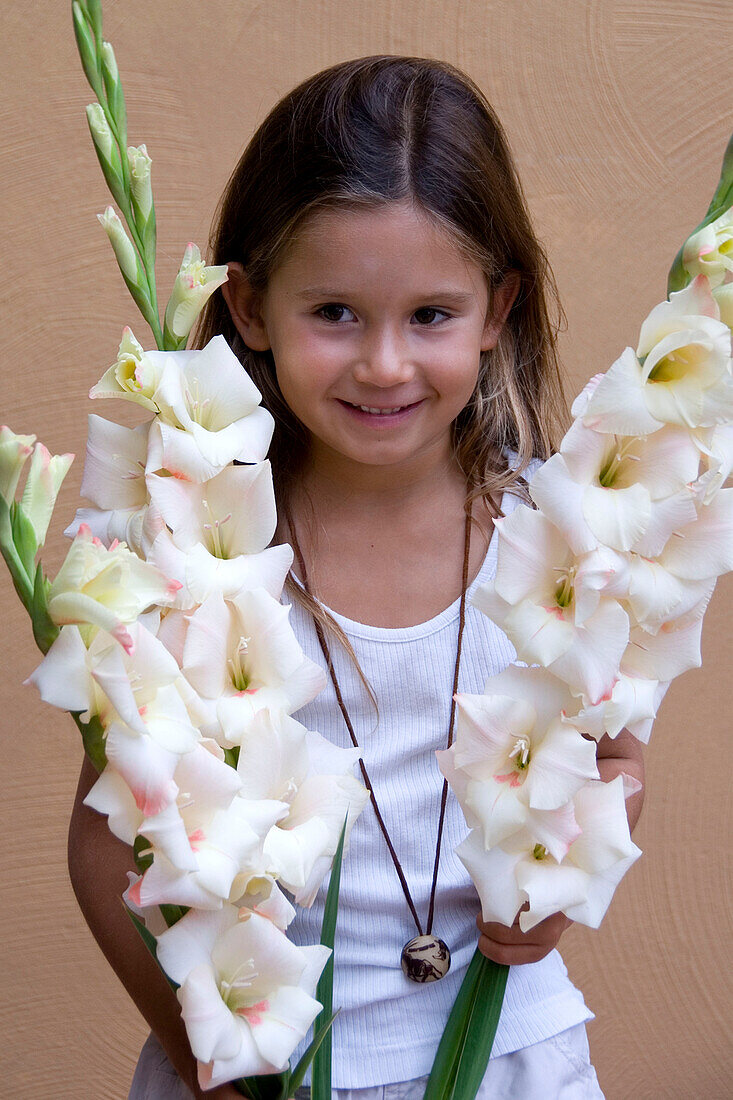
(377, 130)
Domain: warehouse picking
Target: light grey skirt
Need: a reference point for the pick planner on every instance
(558, 1068)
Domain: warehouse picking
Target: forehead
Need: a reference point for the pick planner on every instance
(395, 245)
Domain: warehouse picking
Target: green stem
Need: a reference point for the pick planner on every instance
(464, 1050)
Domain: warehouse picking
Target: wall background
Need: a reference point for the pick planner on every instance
(618, 114)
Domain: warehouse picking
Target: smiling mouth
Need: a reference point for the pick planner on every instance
(375, 410)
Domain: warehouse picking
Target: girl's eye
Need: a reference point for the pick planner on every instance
(333, 312)
(429, 314)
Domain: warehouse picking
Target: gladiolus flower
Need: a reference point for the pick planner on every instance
(246, 991)
(134, 375)
(108, 588)
(710, 250)
(194, 285)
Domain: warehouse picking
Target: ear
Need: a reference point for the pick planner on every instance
(502, 300)
(244, 305)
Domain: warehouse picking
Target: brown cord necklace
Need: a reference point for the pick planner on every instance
(425, 958)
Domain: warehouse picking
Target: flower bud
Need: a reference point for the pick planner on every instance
(194, 285)
(109, 64)
(142, 193)
(133, 376)
(44, 480)
(14, 451)
(122, 245)
(709, 251)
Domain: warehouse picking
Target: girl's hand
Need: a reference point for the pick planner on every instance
(512, 946)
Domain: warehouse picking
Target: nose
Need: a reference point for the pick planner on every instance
(384, 359)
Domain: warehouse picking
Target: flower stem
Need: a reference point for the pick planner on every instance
(464, 1050)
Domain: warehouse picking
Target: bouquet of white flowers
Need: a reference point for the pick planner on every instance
(164, 635)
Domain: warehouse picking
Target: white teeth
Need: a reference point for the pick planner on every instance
(384, 412)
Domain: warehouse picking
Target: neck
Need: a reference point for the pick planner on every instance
(332, 479)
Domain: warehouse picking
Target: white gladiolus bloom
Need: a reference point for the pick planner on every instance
(632, 704)
(210, 413)
(246, 991)
(716, 451)
(671, 650)
(622, 492)
(201, 841)
(540, 598)
(579, 882)
(202, 575)
(680, 374)
(97, 587)
(134, 376)
(513, 753)
(280, 759)
(114, 481)
(194, 285)
(243, 656)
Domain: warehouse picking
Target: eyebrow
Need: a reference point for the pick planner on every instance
(445, 294)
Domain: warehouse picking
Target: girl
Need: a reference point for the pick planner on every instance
(390, 300)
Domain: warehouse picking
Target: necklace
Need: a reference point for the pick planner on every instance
(426, 958)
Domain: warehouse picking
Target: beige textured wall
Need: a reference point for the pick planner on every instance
(618, 113)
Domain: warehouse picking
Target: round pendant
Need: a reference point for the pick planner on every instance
(425, 959)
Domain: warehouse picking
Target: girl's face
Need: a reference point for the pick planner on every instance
(376, 321)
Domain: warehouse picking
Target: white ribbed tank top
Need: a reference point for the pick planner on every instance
(389, 1028)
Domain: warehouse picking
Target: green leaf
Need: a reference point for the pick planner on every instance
(141, 853)
(173, 913)
(21, 580)
(269, 1086)
(92, 734)
(321, 1080)
(150, 942)
(300, 1070)
(24, 537)
(45, 630)
(464, 1050)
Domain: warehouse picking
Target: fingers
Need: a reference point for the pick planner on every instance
(513, 947)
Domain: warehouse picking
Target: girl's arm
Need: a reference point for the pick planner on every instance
(511, 946)
(98, 863)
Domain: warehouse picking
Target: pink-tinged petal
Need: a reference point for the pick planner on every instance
(656, 595)
(580, 403)
(494, 876)
(618, 403)
(541, 635)
(278, 961)
(560, 765)
(164, 884)
(605, 839)
(246, 492)
(674, 649)
(166, 833)
(704, 548)
(633, 702)
(288, 1014)
(556, 830)
(110, 795)
(63, 678)
(617, 517)
(147, 768)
